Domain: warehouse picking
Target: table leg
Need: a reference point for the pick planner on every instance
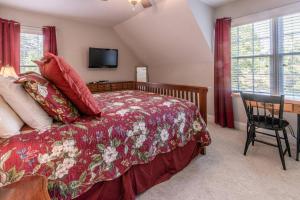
(298, 137)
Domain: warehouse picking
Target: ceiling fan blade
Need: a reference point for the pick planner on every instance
(146, 3)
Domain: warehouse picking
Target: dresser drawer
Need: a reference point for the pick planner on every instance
(288, 107)
(116, 86)
(103, 87)
(128, 86)
(296, 109)
(93, 88)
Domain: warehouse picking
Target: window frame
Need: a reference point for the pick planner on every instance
(276, 56)
(30, 30)
(253, 57)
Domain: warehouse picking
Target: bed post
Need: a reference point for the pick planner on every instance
(203, 103)
(203, 151)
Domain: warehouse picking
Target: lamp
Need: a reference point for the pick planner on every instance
(8, 71)
(134, 3)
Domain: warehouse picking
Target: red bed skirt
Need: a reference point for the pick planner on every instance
(142, 177)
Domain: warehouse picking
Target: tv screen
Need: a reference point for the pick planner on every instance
(103, 58)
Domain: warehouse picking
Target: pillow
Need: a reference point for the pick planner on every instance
(56, 70)
(10, 123)
(22, 103)
(49, 97)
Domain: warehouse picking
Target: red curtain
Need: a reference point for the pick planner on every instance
(223, 98)
(50, 45)
(10, 44)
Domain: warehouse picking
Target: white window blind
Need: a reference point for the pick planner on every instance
(289, 54)
(252, 57)
(31, 49)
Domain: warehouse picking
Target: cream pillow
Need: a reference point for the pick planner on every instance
(10, 123)
(23, 104)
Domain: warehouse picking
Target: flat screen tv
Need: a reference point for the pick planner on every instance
(103, 58)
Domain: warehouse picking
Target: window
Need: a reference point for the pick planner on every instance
(251, 57)
(31, 49)
(289, 54)
(266, 56)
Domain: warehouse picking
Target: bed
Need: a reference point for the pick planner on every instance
(146, 133)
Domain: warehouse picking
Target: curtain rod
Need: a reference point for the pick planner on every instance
(35, 27)
(250, 14)
(6, 20)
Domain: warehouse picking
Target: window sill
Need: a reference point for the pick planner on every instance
(287, 100)
(235, 94)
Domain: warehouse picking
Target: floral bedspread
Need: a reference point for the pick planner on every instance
(134, 127)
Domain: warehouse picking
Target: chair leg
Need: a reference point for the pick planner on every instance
(287, 144)
(253, 138)
(298, 137)
(248, 141)
(298, 149)
(280, 149)
(248, 129)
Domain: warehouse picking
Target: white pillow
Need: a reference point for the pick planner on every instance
(23, 104)
(10, 123)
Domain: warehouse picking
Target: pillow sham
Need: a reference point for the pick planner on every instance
(56, 70)
(49, 97)
(10, 123)
(22, 103)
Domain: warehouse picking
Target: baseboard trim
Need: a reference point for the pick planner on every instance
(240, 125)
(210, 118)
(237, 124)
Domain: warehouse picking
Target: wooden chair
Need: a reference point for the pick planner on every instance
(266, 112)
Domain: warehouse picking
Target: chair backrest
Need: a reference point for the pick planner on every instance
(263, 106)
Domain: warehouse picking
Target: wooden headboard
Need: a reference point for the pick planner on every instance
(197, 95)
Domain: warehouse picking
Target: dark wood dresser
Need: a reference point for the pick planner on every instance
(97, 87)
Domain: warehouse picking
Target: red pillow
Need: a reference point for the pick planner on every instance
(49, 97)
(56, 70)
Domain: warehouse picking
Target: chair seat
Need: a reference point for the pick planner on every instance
(269, 122)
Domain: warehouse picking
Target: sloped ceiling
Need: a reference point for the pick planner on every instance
(99, 12)
(168, 34)
(217, 3)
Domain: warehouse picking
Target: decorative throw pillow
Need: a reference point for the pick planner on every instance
(10, 123)
(22, 103)
(56, 70)
(49, 97)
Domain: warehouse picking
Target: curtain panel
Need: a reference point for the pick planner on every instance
(222, 74)
(50, 44)
(10, 44)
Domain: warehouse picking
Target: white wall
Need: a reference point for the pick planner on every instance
(247, 7)
(251, 9)
(170, 41)
(74, 39)
(204, 16)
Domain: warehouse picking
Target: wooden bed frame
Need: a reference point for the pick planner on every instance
(197, 95)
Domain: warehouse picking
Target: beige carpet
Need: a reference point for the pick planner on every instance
(226, 174)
